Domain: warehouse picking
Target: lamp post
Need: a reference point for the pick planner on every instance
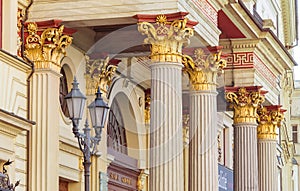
(98, 112)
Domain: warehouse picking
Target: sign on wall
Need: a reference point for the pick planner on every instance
(225, 178)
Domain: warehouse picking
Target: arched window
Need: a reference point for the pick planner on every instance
(116, 134)
(63, 91)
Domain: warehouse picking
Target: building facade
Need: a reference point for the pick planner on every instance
(201, 94)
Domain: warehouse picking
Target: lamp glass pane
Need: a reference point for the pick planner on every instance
(70, 107)
(78, 107)
(104, 117)
(92, 114)
(82, 107)
(99, 116)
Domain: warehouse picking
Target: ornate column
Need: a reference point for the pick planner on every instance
(166, 34)
(99, 73)
(45, 47)
(245, 101)
(269, 119)
(203, 153)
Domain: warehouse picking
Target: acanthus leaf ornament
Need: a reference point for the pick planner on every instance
(166, 38)
(269, 118)
(204, 68)
(46, 47)
(245, 101)
(99, 73)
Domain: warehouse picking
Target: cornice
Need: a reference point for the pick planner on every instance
(14, 61)
(243, 45)
(253, 29)
(13, 124)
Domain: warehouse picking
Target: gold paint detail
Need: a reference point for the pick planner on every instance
(141, 180)
(20, 18)
(46, 49)
(219, 147)
(147, 107)
(268, 121)
(81, 160)
(185, 129)
(204, 69)
(166, 38)
(245, 105)
(99, 73)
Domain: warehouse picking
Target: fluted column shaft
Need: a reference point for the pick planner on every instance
(166, 143)
(203, 145)
(45, 47)
(245, 101)
(202, 70)
(245, 157)
(167, 34)
(267, 165)
(45, 135)
(269, 119)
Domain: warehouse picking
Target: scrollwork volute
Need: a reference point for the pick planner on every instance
(99, 73)
(203, 70)
(244, 101)
(166, 38)
(47, 48)
(269, 119)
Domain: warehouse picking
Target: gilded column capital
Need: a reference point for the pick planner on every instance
(244, 101)
(99, 73)
(46, 46)
(269, 118)
(204, 68)
(166, 34)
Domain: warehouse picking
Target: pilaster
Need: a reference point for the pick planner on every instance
(202, 72)
(167, 34)
(45, 47)
(244, 101)
(269, 119)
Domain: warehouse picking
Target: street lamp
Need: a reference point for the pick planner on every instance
(98, 111)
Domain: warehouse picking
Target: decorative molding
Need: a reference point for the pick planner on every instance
(166, 35)
(269, 118)
(203, 70)
(239, 60)
(69, 149)
(207, 9)
(185, 129)
(263, 70)
(45, 47)
(147, 106)
(239, 45)
(99, 73)
(14, 62)
(141, 182)
(245, 101)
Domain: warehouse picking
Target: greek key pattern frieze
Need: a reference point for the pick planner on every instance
(206, 8)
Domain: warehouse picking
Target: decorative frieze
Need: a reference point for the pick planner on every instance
(207, 9)
(269, 119)
(166, 34)
(245, 101)
(46, 46)
(204, 68)
(263, 70)
(99, 73)
(240, 60)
